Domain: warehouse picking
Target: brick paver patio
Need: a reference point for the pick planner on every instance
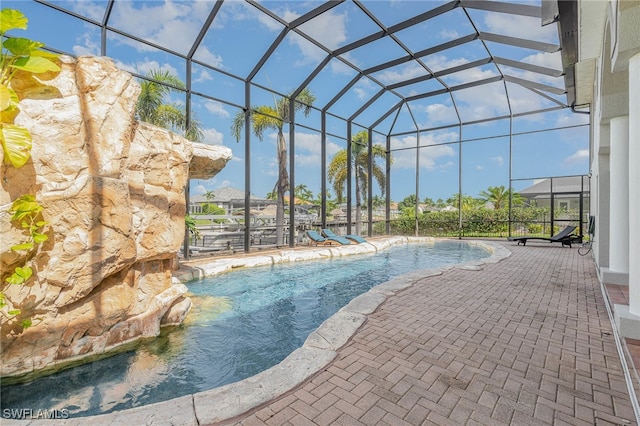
(526, 341)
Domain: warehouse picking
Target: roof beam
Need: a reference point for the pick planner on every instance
(451, 70)
(455, 88)
(520, 42)
(421, 53)
(510, 8)
(344, 90)
(204, 29)
(398, 27)
(528, 67)
(366, 105)
(315, 12)
(533, 85)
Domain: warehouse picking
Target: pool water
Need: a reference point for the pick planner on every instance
(243, 322)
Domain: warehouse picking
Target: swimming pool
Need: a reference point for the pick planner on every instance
(243, 323)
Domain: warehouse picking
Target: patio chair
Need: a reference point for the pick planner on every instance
(328, 233)
(565, 237)
(355, 238)
(317, 239)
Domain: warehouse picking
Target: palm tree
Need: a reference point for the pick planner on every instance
(273, 117)
(499, 197)
(338, 168)
(153, 108)
(302, 193)
(468, 202)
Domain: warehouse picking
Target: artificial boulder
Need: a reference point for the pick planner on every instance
(113, 195)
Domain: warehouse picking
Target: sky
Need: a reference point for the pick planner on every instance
(241, 34)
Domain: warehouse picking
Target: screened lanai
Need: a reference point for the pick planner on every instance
(437, 101)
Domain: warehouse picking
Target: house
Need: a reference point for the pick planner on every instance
(230, 199)
(566, 193)
(567, 199)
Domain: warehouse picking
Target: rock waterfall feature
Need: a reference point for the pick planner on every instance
(113, 195)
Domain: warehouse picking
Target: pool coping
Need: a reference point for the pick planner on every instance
(319, 349)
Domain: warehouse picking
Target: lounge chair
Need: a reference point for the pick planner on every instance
(317, 239)
(327, 233)
(355, 238)
(565, 237)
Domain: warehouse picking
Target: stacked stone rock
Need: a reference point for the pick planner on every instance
(113, 193)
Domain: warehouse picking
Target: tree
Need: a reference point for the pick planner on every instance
(154, 108)
(337, 171)
(331, 203)
(468, 202)
(273, 117)
(302, 193)
(408, 202)
(499, 197)
(429, 202)
(378, 201)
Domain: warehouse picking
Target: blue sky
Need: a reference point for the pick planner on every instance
(241, 34)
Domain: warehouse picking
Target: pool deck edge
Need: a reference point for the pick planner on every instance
(320, 348)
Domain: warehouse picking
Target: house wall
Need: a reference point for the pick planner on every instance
(615, 117)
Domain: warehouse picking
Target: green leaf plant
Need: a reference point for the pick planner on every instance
(26, 212)
(27, 57)
(18, 54)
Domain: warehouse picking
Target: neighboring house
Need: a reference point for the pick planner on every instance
(569, 197)
(230, 199)
(565, 191)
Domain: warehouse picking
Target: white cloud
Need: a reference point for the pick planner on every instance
(401, 73)
(431, 158)
(521, 27)
(213, 137)
(217, 108)
(441, 62)
(498, 160)
(330, 29)
(544, 59)
(437, 113)
(203, 186)
(87, 47)
(476, 103)
(308, 149)
(580, 156)
(364, 88)
(199, 189)
(339, 67)
(566, 118)
(171, 24)
(272, 24)
(202, 76)
(92, 10)
(203, 54)
(144, 66)
(448, 34)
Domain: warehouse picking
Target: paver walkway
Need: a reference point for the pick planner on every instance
(526, 341)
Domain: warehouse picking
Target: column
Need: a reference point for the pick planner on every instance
(634, 184)
(619, 200)
(628, 317)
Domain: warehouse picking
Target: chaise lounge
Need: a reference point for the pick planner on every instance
(565, 237)
(317, 239)
(355, 238)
